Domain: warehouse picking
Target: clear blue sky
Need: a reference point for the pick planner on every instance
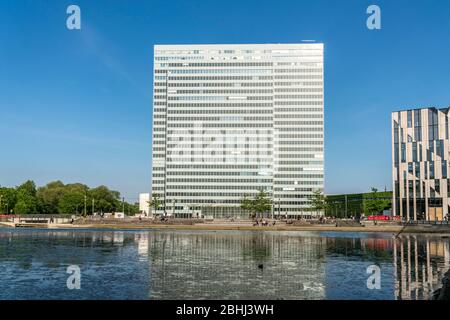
(76, 105)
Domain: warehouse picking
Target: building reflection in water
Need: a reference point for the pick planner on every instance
(142, 245)
(420, 263)
(215, 266)
(220, 265)
(236, 266)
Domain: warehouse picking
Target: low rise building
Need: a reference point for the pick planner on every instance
(144, 198)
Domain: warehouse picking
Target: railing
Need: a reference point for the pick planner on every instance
(36, 218)
(427, 222)
(136, 220)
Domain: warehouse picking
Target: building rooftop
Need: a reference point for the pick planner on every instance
(446, 109)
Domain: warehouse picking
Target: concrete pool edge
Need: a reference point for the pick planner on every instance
(316, 228)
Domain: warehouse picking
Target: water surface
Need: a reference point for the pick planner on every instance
(218, 264)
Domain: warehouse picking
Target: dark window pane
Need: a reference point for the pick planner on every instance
(410, 168)
(403, 152)
(431, 169)
(417, 169)
(396, 154)
(444, 169)
(417, 118)
(414, 151)
(418, 133)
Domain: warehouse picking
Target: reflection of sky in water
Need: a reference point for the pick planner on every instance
(218, 264)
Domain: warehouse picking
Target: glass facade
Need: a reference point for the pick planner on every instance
(422, 161)
(230, 120)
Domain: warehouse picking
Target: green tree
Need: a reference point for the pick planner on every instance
(262, 203)
(318, 201)
(247, 205)
(26, 198)
(71, 203)
(8, 200)
(131, 208)
(375, 204)
(106, 200)
(155, 203)
(48, 197)
(104, 206)
(57, 197)
(72, 200)
(257, 205)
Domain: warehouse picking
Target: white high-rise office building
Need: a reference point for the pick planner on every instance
(230, 120)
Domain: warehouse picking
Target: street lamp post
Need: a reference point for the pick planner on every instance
(272, 209)
(165, 205)
(345, 206)
(279, 200)
(150, 211)
(85, 206)
(173, 207)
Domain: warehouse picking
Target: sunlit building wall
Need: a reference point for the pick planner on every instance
(229, 120)
(420, 160)
(144, 199)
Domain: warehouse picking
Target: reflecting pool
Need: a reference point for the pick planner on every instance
(219, 264)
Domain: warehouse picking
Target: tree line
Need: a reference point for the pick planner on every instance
(373, 203)
(343, 206)
(59, 198)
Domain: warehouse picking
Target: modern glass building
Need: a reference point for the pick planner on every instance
(420, 159)
(230, 120)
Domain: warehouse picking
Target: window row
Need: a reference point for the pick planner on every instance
(301, 83)
(218, 84)
(298, 90)
(298, 122)
(224, 118)
(185, 78)
(214, 173)
(298, 70)
(220, 125)
(224, 132)
(218, 166)
(218, 98)
(295, 77)
(259, 105)
(300, 176)
(299, 163)
(300, 142)
(298, 103)
(218, 180)
(205, 187)
(222, 64)
(206, 91)
(298, 96)
(299, 129)
(219, 153)
(297, 116)
(218, 111)
(233, 194)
